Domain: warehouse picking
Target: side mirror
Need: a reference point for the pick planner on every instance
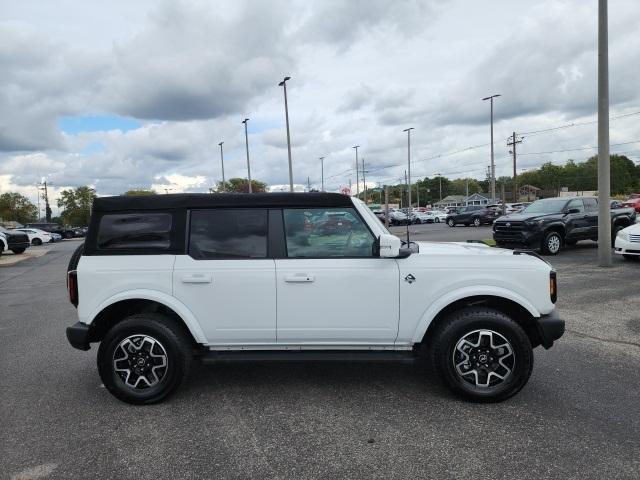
(388, 246)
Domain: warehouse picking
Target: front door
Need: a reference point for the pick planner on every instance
(331, 289)
(227, 280)
(577, 224)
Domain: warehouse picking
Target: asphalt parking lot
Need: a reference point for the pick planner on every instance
(578, 417)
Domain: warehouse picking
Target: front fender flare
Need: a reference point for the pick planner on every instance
(154, 295)
(466, 292)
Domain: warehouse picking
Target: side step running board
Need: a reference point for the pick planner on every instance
(259, 356)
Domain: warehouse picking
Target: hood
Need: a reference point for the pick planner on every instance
(521, 217)
(460, 248)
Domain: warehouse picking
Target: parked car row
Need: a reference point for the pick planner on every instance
(17, 240)
(552, 223)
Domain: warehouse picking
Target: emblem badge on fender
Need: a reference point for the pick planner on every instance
(410, 278)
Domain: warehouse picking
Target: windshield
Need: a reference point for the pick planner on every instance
(554, 205)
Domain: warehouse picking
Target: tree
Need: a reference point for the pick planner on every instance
(140, 192)
(18, 208)
(241, 185)
(77, 205)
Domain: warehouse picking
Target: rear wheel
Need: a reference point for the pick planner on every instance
(18, 251)
(482, 354)
(36, 242)
(144, 358)
(477, 222)
(551, 243)
(437, 220)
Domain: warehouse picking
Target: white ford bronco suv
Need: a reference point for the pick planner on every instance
(162, 280)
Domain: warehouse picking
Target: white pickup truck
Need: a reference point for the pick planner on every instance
(163, 280)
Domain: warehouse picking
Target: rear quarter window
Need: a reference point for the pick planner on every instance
(130, 231)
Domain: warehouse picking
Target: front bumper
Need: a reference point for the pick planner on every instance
(624, 247)
(550, 328)
(527, 238)
(78, 336)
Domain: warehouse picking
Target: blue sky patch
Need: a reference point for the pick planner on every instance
(96, 123)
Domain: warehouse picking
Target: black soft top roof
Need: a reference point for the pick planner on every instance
(208, 200)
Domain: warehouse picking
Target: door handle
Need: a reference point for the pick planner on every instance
(196, 278)
(299, 278)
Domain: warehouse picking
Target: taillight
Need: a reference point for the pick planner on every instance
(553, 287)
(72, 287)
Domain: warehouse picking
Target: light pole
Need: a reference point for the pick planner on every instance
(224, 186)
(322, 172)
(408, 130)
(357, 170)
(283, 84)
(604, 167)
(246, 140)
(493, 166)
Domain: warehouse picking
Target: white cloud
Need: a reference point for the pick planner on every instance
(362, 72)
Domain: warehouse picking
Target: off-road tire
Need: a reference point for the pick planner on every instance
(463, 322)
(173, 339)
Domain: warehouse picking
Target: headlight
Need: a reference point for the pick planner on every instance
(622, 235)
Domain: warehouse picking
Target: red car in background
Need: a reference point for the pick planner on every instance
(633, 203)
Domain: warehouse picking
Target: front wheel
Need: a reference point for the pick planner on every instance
(482, 354)
(551, 243)
(437, 220)
(451, 223)
(144, 358)
(477, 222)
(36, 242)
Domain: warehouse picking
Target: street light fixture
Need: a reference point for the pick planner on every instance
(322, 172)
(224, 186)
(283, 83)
(493, 165)
(246, 140)
(408, 130)
(357, 170)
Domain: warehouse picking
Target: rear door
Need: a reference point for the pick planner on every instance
(332, 290)
(591, 211)
(227, 278)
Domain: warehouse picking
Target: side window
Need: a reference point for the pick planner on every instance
(228, 234)
(135, 231)
(326, 232)
(576, 203)
(590, 204)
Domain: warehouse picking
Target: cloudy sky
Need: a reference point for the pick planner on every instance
(122, 95)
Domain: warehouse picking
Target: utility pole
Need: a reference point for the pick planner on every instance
(283, 83)
(406, 183)
(364, 182)
(246, 140)
(47, 208)
(408, 130)
(322, 172)
(604, 169)
(349, 185)
(493, 165)
(512, 142)
(357, 168)
(38, 190)
(224, 186)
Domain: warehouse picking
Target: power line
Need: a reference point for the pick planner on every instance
(580, 148)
